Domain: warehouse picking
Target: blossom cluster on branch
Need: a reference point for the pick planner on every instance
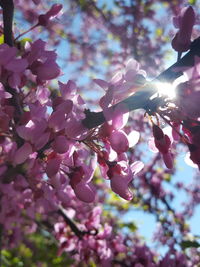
(54, 150)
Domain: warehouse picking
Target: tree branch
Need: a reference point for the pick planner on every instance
(8, 11)
(140, 99)
(72, 225)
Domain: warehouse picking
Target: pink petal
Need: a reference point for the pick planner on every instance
(43, 19)
(84, 192)
(132, 64)
(53, 166)
(17, 65)
(119, 185)
(22, 153)
(187, 23)
(176, 21)
(119, 141)
(23, 132)
(7, 54)
(14, 80)
(168, 160)
(130, 75)
(55, 9)
(75, 129)
(65, 106)
(42, 140)
(67, 89)
(61, 144)
(57, 120)
(103, 84)
(181, 41)
(120, 116)
(106, 100)
(117, 78)
(48, 71)
(136, 167)
(152, 145)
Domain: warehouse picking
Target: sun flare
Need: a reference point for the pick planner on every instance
(169, 89)
(166, 89)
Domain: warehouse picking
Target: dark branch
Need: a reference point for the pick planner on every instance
(140, 99)
(71, 224)
(8, 10)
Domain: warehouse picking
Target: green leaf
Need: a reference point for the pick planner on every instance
(131, 226)
(2, 39)
(192, 2)
(190, 244)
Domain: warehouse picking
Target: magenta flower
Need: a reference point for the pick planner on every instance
(119, 141)
(22, 153)
(57, 120)
(44, 19)
(121, 176)
(119, 185)
(42, 62)
(53, 166)
(14, 67)
(61, 144)
(80, 181)
(184, 22)
(163, 143)
(85, 192)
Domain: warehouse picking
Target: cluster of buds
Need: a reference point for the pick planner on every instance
(163, 144)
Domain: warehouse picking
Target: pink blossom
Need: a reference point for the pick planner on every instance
(75, 129)
(119, 185)
(14, 67)
(119, 141)
(22, 153)
(61, 144)
(7, 53)
(184, 22)
(53, 166)
(46, 71)
(80, 180)
(67, 90)
(42, 62)
(44, 19)
(163, 143)
(168, 160)
(57, 120)
(84, 192)
(120, 177)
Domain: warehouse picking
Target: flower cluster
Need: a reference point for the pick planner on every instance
(184, 22)
(49, 159)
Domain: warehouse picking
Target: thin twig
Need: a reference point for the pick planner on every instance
(71, 224)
